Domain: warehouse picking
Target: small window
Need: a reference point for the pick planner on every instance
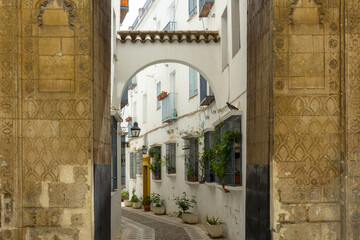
(158, 91)
(156, 162)
(193, 83)
(229, 131)
(132, 166)
(171, 158)
(191, 160)
(138, 157)
(192, 7)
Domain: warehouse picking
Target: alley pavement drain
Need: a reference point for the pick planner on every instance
(137, 224)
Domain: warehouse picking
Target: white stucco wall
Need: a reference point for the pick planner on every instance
(229, 84)
(115, 195)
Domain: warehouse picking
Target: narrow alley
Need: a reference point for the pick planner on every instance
(137, 224)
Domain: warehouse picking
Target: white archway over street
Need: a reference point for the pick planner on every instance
(137, 50)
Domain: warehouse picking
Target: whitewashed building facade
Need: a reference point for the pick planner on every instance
(183, 124)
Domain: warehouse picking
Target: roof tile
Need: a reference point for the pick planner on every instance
(170, 36)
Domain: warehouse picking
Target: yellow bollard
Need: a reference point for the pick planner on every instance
(146, 175)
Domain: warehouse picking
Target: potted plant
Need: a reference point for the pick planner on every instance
(204, 160)
(151, 152)
(237, 177)
(184, 204)
(158, 204)
(190, 173)
(223, 152)
(163, 95)
(214, 226)
(135, 200)
(127, 202)
(124, 195)
(146, 201)
(155, 165)
(171, 170)
(128, 119)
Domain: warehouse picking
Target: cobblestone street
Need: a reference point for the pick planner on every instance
(137, 224)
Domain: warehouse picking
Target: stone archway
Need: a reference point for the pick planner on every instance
(138, 50)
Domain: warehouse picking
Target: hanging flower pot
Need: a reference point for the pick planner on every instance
(128, 119)
(162, 95)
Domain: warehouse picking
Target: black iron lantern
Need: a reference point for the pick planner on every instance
(144, 149)
(135, 130)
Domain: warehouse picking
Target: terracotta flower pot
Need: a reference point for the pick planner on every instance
(146, 208)
(237, 178)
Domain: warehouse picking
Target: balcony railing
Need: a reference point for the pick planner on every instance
(205, 7)
(169, 108)
(143, 10)
(170, 26)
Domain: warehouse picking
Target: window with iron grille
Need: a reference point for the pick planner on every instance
(156, 163)
(233, 171)
(191, 160)
(192, 7)
(171, 158)
(132, 166)
(209, 139)
(138, 157)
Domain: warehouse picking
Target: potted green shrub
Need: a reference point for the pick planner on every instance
(135, 200)
(213, 226)
(124, 195)
(171, 170)
(223, 152)
(206, 157)
(184, 204)
(146, 201)
(151, 152)
(158, 204)
(127, 202)
(155, 165)
(190, 173)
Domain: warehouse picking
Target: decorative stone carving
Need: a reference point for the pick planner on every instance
(306, 12)
(68, 5)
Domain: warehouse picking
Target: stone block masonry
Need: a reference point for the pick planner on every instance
(47, 107)
(313, 117)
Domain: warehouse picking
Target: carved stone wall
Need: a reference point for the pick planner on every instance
(10, 191)
(307, 167)
(47, 117)
(56, 84)
(352, 123)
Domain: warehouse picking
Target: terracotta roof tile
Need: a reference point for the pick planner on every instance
(170, 36)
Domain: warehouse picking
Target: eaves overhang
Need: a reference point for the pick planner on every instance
(168, 36)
